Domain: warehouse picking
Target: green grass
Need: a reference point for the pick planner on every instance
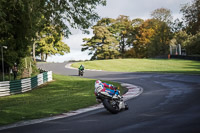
(64, 94)
(144, 65)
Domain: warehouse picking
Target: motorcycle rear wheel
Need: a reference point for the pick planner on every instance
(111, 108)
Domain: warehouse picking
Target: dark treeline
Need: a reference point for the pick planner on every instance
(138, 38)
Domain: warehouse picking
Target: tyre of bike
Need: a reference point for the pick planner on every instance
(114, 109)
(81, 73)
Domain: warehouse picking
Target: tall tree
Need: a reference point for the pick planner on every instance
(163, 15)
(132, 37)
(122, 28)
(191, 15)
(103, 45)
(159, 44)
(50, 43)
(16, 32)
(143, 38)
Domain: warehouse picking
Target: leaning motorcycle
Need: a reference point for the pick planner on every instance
(112, 104)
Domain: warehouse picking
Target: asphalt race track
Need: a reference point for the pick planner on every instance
(170, 103)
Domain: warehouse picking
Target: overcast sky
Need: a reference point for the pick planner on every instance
(114, 8)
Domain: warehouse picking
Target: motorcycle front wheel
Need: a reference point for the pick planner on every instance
(111, 106)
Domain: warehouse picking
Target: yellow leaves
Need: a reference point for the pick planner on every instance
(145, 36)
(124, 32)
(50, 42)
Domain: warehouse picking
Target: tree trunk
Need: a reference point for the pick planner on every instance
(46, 57)
(42, 57)
(34, 51)
(123, 47)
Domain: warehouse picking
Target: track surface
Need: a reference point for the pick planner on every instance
(170, 103)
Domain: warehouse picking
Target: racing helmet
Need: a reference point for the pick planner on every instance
(98, 82)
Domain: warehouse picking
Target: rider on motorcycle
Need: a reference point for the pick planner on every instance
(109, 96)
(102, 87)
(81, 68)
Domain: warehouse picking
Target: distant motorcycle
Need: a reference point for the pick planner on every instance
(112, 104)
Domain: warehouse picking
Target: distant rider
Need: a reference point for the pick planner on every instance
(106, 89)
(81, 68)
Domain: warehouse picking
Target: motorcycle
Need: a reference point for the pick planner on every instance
(80, 73)
(112, 104)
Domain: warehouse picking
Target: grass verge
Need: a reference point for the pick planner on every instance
(65, 94)
(144, 65)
